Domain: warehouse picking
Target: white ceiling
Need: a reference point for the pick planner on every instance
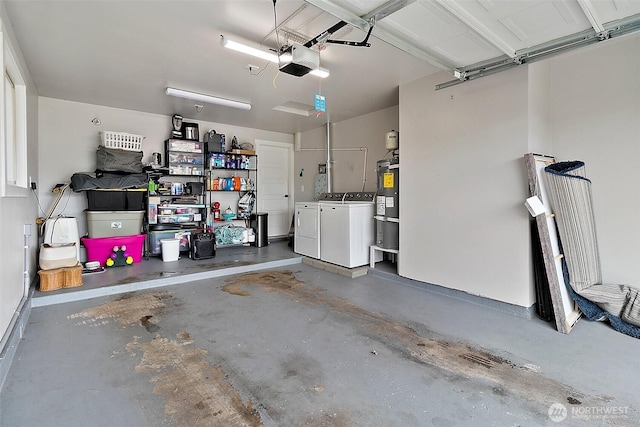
(125, 53)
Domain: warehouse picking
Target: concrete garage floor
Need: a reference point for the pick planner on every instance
(294, 345)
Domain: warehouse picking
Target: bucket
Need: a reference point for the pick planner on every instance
(170, 249)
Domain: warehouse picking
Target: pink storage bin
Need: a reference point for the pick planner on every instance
(100, 248)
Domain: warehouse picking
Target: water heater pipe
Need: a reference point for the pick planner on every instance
(328, 155)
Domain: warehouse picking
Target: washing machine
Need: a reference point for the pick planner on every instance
(306, 237)
(347, 228)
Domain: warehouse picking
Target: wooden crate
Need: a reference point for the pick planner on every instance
(65, 277)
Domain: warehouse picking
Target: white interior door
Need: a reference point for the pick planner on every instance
(275, 166)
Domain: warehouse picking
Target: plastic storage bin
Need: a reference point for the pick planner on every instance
(116, 200)
(121, 140)
(99, 249)
(184, 234)
(114, 223)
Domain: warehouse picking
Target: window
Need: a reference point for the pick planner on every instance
(13, 126)
(10, 128)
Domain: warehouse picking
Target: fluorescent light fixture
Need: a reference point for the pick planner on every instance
(320, 72)
(281, 60)
(209, 99)
(230, 44)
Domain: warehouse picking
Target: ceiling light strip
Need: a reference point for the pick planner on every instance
(283, 59)
(240, 47)
(210, 99)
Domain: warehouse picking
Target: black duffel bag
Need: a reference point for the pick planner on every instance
(117, 160)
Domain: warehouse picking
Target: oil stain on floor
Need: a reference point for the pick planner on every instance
(199, 393)
(457, 358)
(196, 392)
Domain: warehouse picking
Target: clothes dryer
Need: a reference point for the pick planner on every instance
(306, 238)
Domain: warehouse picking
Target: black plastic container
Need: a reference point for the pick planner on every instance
(116, 200)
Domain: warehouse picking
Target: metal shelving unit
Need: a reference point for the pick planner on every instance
(229, 177)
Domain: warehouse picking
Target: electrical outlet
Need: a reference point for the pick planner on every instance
(302, 188)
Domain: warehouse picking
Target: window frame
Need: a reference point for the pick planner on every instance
(16, 150)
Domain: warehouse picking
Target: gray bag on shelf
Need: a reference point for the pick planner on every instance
(116, 160)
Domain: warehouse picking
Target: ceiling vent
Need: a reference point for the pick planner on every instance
(303, 60)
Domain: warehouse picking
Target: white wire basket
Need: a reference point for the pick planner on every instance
(122, 140)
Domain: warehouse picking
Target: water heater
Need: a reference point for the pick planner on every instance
(387, 207)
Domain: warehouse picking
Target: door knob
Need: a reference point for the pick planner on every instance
(286, 195)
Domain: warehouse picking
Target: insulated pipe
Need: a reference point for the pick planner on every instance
(328, 155)
(297, 141)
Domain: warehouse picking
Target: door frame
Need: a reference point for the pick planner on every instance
(259, 143)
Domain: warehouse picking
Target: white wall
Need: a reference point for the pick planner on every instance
(594, 103)
(17, 211)
(70, 140)
(462, 221)
(349, 169)
(463, 225)
(540, 112)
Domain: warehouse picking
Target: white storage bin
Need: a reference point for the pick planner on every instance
(122, 140)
